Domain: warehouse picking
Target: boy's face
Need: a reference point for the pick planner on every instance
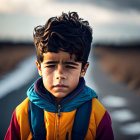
(60, 73)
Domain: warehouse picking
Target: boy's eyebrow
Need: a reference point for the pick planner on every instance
(51, 62)
(71, 63)
(55, 62)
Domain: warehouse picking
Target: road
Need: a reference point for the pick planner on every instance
(8, 104)
(123, 105)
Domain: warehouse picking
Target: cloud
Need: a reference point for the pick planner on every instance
(112, 4)
(104, 21)
(119, 4)
(48, 8)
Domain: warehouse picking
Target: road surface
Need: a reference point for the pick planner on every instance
(123, 105)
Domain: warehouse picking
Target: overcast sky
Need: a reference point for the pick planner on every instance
(112, 20)
(113, 4)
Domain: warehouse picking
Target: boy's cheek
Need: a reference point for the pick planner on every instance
(47, 71)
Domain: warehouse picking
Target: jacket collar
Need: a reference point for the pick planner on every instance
(43, 99)
(45, 94)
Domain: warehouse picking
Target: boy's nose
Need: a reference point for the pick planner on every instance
(60, 73)
(60, 77)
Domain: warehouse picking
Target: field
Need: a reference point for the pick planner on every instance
(12, 54)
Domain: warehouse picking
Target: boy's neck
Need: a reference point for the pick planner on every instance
(58, 100)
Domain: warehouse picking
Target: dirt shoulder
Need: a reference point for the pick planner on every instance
(11, 55)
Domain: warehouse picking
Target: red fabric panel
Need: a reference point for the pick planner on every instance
(13, 132)
(104, 130)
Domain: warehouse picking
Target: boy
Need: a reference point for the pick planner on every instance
(59, 104)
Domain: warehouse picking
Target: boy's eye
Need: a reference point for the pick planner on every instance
(70, 67)
(50, 66)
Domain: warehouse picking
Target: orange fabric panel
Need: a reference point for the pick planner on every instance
(98, 110)
(59, 126)
(22, 118)
(97, 113)
(65, 123)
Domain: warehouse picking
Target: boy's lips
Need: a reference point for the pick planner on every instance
(60, 86)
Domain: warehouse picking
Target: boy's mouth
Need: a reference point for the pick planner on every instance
(60, 86)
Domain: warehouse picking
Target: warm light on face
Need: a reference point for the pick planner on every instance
(60, 73)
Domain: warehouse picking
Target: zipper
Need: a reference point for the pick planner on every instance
(59, 109)
(58, 121)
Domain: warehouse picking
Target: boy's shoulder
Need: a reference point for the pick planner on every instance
(22, 119)
(98, 111)
(22, 109)
(98, 107)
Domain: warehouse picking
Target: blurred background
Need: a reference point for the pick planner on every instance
(114, 71)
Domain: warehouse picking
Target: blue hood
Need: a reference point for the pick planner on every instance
(42, 98)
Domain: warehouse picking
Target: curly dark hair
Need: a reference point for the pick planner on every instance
(67, 33)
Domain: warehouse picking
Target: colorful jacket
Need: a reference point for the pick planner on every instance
(58, 127)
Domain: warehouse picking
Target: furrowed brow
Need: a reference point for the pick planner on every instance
(71, 63)
(51, 62)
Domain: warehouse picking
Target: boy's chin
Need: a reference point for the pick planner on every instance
(60, 95)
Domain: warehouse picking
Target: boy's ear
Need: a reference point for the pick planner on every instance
(83, 71)
(39, 68)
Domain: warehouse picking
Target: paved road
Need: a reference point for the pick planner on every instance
(8, 104)
(123, 105)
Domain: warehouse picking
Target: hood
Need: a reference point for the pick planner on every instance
(42, 98)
